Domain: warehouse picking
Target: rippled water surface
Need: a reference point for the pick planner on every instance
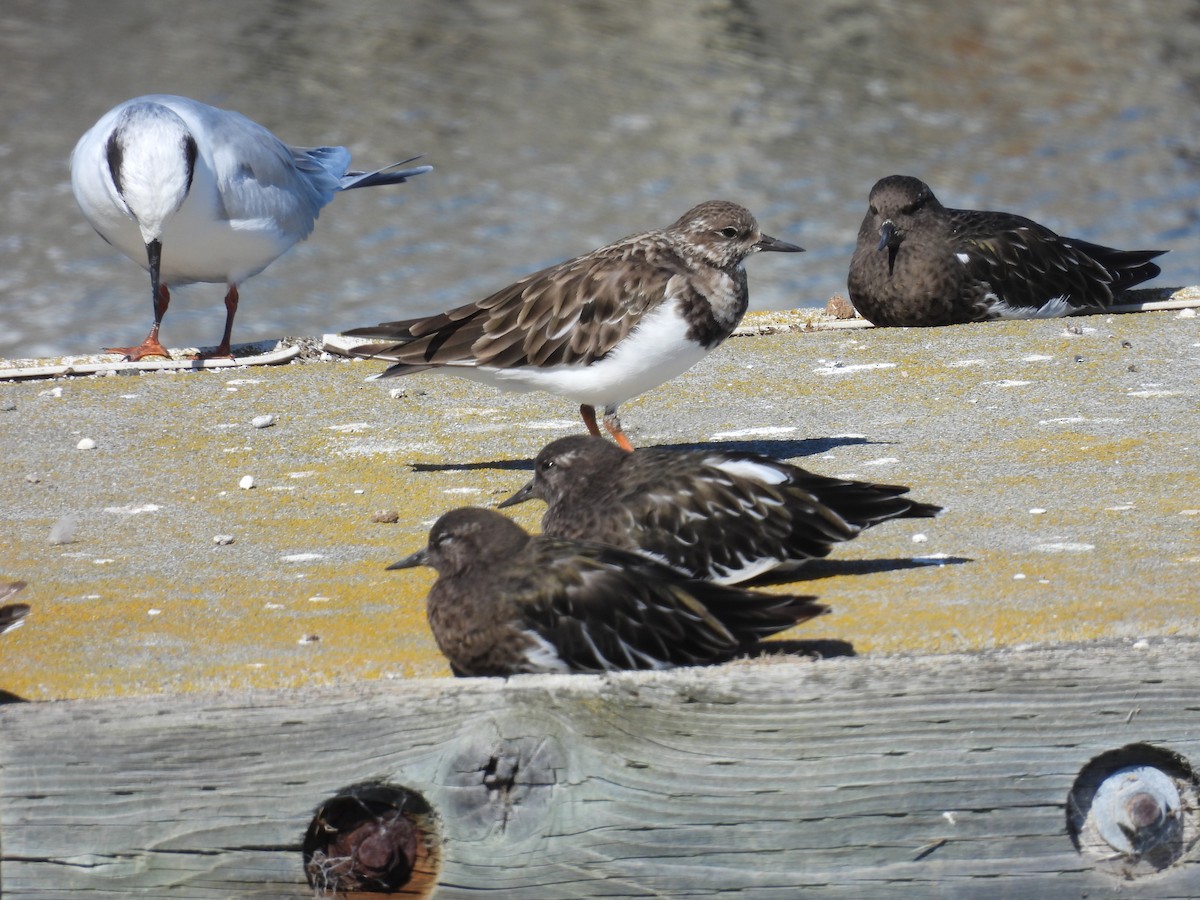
(556, 127)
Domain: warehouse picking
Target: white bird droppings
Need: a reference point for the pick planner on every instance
(86, 444)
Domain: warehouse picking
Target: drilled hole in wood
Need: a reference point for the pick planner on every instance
(1134, 811)
(373, 838)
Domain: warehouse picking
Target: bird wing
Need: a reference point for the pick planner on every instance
(603, 609)
(1026, 264)
(538, 321)
(258, 176)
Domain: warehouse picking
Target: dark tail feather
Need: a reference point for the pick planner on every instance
(386, 175)
(1127, 267)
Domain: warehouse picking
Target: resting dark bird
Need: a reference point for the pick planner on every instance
(919, 263)
(506, 603)
(716, 515)
(599, 329)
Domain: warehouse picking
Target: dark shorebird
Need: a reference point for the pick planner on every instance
(506, 603)
(196, 193)
(716, 515)
(598, 329)
(919, 263)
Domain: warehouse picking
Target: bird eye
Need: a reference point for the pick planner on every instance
(729, 232)
(872, 210)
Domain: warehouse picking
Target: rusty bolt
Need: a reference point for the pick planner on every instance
(1136, 809)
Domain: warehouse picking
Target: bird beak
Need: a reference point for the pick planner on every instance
(525, 493)
(420, 558)
(766, 242)
(887, 235)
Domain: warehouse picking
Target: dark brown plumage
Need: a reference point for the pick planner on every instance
(716, 515)
(920, 263)
(600, 328)
(506, 603)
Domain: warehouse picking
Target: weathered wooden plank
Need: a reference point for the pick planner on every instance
(859, 777)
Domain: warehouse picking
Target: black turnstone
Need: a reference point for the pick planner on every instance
(598, 329)
(12, 615)
(506, 602)
(717, 515)
(919, 263)
(196, 193)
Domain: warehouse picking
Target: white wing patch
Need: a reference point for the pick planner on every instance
(543, 656)
(963, 258)
(746, 468)
(1051, 309)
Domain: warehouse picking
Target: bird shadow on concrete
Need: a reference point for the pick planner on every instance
(778, 449)
(827, 568)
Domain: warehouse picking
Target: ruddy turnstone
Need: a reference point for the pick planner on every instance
(920, 263)
(506, 603)
(196, 193)
(717, 515)
(600, 328)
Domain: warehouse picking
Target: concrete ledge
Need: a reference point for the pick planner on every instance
(1064, 450)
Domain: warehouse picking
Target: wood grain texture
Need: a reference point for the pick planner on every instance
(941, 776)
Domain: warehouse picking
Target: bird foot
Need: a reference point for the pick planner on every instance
(146, 348)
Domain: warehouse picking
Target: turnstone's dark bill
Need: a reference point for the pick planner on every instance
(716, 515)
(12, 615)
(919, 263)
(505, 603)
(196, 193)
(601, 328)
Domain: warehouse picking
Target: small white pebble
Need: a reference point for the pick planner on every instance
(1142, 644)
(246, 483)
(263, 421)
(396, 393)
(1020, 576)
(272, 606)
(86, 444)
(63, 531)
(154, 612)
(318, 599)
(359, 491)
(919, 538)
(101, 562)
(1036, 511)
(222, 539)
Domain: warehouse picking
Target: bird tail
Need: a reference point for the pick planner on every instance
(1126, 267)
(386, 175)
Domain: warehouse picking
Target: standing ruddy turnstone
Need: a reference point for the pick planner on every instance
(196, 193)
(600, 328)
(919, 263)
(506, 602)
(717, 515)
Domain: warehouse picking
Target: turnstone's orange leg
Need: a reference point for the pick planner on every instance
(150, 346)
(613, 425)
(222, 350)
(589, 419)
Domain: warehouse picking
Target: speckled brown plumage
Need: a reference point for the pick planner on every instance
(544, 331)
(920, 263)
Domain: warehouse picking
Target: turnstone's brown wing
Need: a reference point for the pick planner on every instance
(1026, 265)
(571, 313)
(602, 608)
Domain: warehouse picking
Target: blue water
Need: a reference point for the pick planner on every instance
(557, 127)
